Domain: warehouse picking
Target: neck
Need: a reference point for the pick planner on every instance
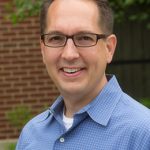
(71, 107)
(74, 105)
(75, 102)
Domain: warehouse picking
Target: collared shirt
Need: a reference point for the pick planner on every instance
(112, 121)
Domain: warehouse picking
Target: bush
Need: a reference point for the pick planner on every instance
(19, 116)
(133, 10)
(146, 102)
(10, 146)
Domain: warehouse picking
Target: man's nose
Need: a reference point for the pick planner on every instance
(70, 51)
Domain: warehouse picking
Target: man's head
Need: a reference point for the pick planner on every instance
(76, 48)
(105, 21)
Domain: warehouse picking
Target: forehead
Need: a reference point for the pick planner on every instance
(73, 15)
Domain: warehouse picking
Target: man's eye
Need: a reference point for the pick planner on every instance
(85, 38)
(54, 39)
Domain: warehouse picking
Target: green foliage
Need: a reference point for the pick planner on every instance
(23, 9)
(131, 10)
(10, 146)
(125, 10)
(19, 116)
(146, 102)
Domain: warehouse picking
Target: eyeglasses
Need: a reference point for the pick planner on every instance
(56, 40)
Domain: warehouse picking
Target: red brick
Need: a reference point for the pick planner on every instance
(23, 77)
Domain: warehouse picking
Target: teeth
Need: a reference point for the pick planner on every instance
(70, 70)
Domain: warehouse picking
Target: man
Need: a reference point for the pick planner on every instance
(92, 113)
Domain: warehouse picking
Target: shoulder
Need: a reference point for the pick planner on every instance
(132, 119)
(133, 113)
(134, 107)
(37, 120)
(30, 129)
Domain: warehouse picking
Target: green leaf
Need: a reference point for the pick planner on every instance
(134, 10)
(146, 102)
(19, 116)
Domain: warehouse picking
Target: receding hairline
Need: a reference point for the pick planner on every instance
(102, 23)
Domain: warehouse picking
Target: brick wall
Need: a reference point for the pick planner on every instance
(23, 78)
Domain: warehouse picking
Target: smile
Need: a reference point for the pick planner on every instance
(71, 70)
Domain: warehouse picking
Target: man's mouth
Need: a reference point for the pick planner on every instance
(71, 70)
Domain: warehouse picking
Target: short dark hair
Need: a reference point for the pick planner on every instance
(106, 19)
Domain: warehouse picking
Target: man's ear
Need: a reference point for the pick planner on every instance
(111, 42)
(42, 50)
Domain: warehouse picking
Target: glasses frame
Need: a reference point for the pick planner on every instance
(98, 37)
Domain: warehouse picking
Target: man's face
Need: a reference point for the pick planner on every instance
(78, 72)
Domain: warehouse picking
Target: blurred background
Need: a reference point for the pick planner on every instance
(25, 87)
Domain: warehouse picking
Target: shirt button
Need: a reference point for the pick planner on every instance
(62, 140)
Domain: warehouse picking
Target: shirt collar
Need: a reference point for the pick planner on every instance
(54, 110)
(101, 108)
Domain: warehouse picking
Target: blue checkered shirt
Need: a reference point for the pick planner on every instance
(112, 121)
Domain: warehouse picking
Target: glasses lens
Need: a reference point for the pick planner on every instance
(85, 39)
(54, 40)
